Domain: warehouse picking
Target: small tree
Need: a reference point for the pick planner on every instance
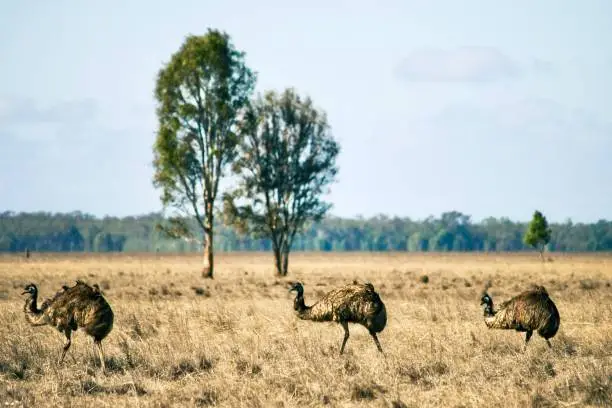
(538, 233)
(200, 94)
(287, 158)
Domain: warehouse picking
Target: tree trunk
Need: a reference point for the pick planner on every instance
(278, 260)
(285, 255)
(542, 253)
(209, 254)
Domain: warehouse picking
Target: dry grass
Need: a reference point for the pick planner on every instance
(180, 340)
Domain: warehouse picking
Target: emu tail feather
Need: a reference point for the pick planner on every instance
(380, 319)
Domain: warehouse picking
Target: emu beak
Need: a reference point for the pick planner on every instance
(25, 292)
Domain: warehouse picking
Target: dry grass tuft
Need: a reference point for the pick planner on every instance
(366, 391)
(540, 401)
(589, 284)
(207, 398)
(200, 291)
(234, 342)
(398, 404)
(91, 387)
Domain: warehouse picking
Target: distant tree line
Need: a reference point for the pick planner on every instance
(452, 231)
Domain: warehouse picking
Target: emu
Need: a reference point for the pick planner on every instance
(79, 306)
(529, 311)
(353, 303)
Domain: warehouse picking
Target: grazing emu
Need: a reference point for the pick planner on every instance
(353, 303)
(529, 311)
(72, 307)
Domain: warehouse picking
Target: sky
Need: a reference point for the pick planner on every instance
(488, 108)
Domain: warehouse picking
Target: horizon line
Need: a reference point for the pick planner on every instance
(328, 216)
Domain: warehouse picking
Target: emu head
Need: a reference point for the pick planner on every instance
(30, 289)
(297, 286)
(487, 302)
(298, 303)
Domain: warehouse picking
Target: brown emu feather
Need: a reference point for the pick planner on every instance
(79, 306)
(529, 311)
(353, 303)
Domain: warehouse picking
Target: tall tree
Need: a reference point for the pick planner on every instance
(287, 160)
(538, 233)
(200, 93)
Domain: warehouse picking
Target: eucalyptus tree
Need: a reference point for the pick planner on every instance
(286, 162)
(200, 93)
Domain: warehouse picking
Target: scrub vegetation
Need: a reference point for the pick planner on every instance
(235, 341)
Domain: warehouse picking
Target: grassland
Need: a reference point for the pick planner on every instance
(234, 341)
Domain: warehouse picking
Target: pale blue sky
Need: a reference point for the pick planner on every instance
(489, 108)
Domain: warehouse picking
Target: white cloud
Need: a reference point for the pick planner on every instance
(24, 111)
(27, 121)
(541, 66)
(463, 64)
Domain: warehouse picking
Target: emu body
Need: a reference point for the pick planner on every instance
(529, 311)
(80, 306)
(353, 303)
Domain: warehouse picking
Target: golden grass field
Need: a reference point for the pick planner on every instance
(180, 340)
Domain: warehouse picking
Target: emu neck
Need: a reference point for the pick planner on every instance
(489, 314)
(300, 306)
(33, 314)
(488, 309)
(31, 305)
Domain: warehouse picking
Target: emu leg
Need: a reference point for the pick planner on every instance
(549, 345)
(377, 342)
(527, 337)
(346, 336)
(96, 352)
(68, 334)
(98, 343)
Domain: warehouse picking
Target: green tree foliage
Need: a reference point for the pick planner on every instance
(538, 233)
(287, 159)
(200, 94)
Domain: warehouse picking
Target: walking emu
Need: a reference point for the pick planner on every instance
(72, 307)
(353, 303)
(529, 311)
